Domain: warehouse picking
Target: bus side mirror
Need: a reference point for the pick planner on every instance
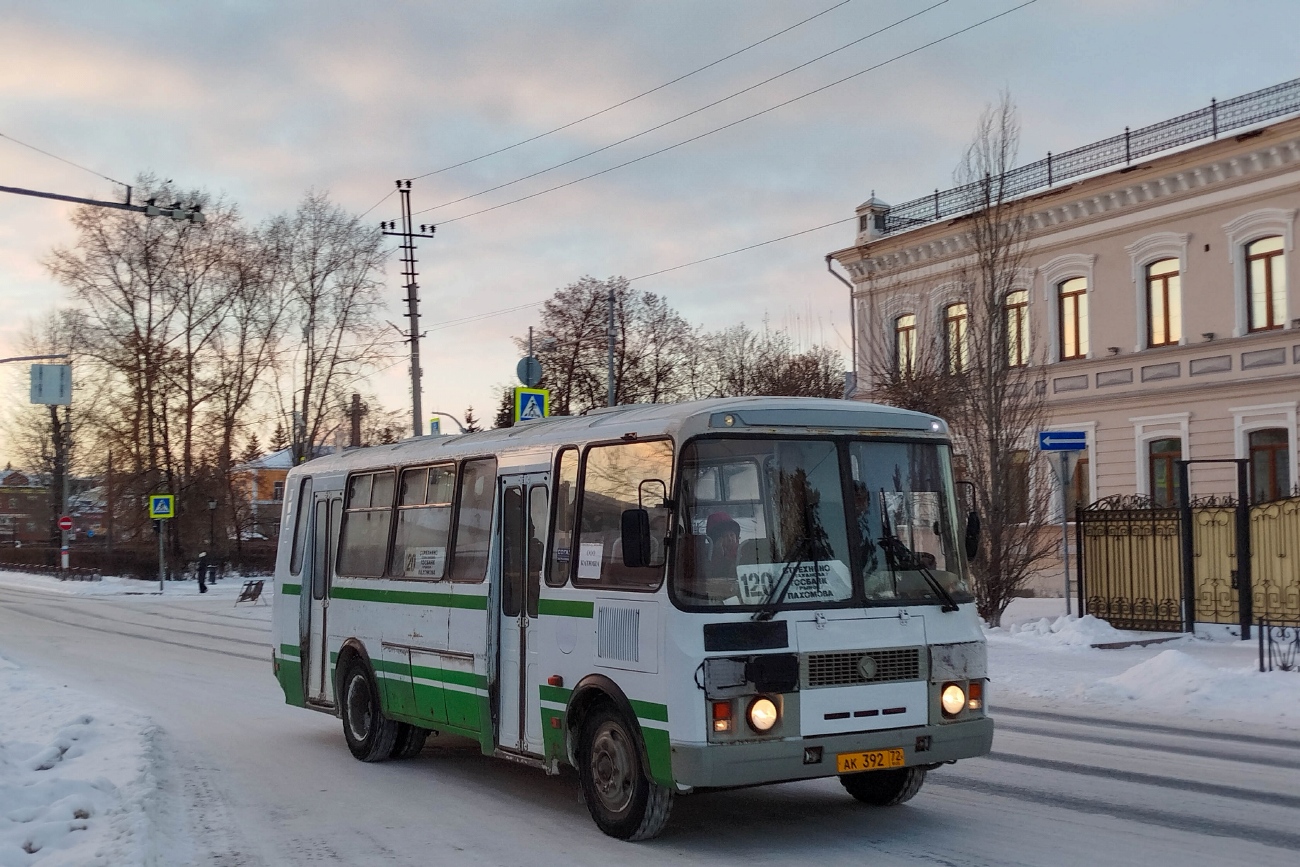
(636, 538)
(972, 534)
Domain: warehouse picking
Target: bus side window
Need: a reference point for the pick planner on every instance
(612, 478)
(566, 505)
(367, 515)
(420, 543)
(303, 506)
(474, 520)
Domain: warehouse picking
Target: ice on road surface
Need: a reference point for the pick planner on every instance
(146, 729)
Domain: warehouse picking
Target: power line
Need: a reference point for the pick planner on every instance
(376, 204)
(773, 108)
(632, 98)
(465, 320)
(691, 113)
(62, 160)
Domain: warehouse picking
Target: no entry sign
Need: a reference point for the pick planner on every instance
(65, 522)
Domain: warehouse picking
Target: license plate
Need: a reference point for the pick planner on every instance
(871, 760)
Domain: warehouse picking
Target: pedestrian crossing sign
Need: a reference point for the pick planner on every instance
(532, 403)
(162, 506)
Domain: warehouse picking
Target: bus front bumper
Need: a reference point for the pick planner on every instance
(755, 762)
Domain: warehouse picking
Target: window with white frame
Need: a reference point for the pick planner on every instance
(1164, 303)
(1265, 284)
(1072, 318)
(1162, 468)
(1017, 327)
(1270, 464)
(956, 343)
(905, 344)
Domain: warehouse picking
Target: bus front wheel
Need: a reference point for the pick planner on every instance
(622, 799)
(884, 788)
(370, 735)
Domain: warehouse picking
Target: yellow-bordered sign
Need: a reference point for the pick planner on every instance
(162, 506)
(532, 403)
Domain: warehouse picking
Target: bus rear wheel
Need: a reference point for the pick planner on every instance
(370, 735)
(884, 788)
(624, 802)
(409, 742)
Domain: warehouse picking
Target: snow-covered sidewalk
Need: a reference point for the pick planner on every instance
(1041, 659)
(76, 777)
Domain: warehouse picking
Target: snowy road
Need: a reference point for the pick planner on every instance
(248, 780)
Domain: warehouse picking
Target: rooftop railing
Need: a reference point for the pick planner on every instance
(1206, 123)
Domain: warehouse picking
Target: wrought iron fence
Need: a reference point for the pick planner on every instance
(1209, 122)
(1131, 553)
(1279, 646)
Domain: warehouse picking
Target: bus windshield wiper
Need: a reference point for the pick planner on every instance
(767, 608)
(899, 556)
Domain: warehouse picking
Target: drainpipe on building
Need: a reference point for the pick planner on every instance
(850, 388)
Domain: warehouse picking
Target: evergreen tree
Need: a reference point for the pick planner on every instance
(471, 423)
(252, 451)
(279, 439)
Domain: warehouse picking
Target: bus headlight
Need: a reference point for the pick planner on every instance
(762, 714)
(952, 699)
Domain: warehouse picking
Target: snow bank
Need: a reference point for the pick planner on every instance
(76, 777)
(1066, 631)
(1175, 683)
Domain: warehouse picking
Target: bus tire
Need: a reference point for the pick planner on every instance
(624, 802)
(410, 741)
(884, 788)
(370, 734)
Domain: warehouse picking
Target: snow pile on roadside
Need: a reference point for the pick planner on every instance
(1066, 631)
(1174, 682)
(75, 777)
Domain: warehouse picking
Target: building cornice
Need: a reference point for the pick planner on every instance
(1089, 200)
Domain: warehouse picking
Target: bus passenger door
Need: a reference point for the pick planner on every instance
(523, 531)
(327, 512)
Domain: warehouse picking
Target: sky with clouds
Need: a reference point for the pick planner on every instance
(262, 102)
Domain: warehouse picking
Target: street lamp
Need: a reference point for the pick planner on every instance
(212, 522)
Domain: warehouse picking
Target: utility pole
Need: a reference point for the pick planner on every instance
(610, 333)
(408, 236)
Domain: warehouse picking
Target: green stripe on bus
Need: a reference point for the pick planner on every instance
(556, 694)
(290, 650)
(566, 608)
(408, 597)
(291, 589)
(460, 678)
(649, 710)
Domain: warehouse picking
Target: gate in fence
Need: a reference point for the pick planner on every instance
(1131, 568)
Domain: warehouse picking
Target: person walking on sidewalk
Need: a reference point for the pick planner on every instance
(203, 572)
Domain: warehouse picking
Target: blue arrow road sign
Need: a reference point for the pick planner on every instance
(1063, 440)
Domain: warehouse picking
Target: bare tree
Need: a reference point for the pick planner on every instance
(328, 265)
(1000, 405)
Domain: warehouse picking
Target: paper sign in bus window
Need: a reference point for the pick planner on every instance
(590, 556)
(821, 581)
(424, 562)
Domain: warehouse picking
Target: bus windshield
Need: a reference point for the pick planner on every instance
(775, 524)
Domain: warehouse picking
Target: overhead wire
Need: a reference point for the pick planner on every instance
(62, 160)
(691, 113)
(739, 121)
(632, 98)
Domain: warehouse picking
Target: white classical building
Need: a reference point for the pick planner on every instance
(1160, 295)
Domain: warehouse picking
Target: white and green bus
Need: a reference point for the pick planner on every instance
(668, 598)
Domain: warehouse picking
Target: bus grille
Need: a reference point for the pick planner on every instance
(842, 669)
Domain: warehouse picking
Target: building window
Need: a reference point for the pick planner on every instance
(1266, 283)
(277, 491)
(1017, 311)
(1073, 318)
(1164, 304)
(1270, 465)
(1162, 472)
(956, 345)
(905, 344)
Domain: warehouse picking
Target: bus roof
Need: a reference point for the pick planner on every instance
(644, 421)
